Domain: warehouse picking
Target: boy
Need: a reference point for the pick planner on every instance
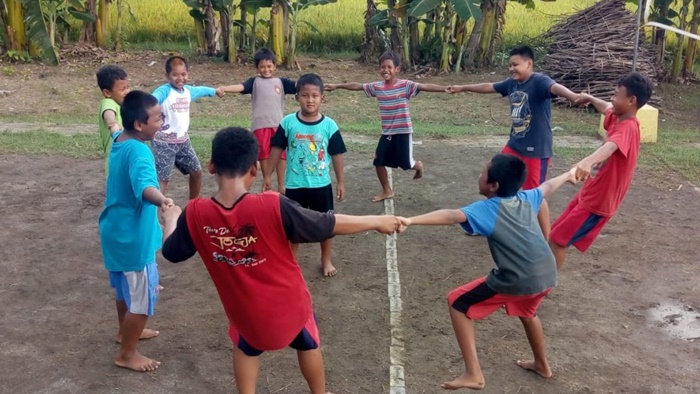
(114, 84)
(395, 147)
(243, 240)
(602, 194)
(172, 146)
(312, 141)
(267, 94)
(530, 95)
(129, 231)
(525, 269)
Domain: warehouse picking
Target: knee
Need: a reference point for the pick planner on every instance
(196, 174)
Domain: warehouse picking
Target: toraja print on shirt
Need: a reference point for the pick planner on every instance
(176, 110)
(246, 251)
(393, 104)
(310, 147)
(268, 100)
(531, 115)
(603, 193)
(524, 262)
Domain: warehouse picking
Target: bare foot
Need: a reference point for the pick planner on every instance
(383, 196)
(137, 362)
(465, 381)
(147, 333)
(529, 365)
(328, 269)
(419, 170)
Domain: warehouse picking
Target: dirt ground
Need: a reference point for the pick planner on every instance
(59, 322)
(623, 319)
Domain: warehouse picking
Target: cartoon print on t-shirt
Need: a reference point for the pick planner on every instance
(237, 246)
(307, 155)
(520, 113)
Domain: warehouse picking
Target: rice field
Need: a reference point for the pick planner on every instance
(340, 24)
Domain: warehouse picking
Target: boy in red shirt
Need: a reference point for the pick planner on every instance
(608, 171)
(244, 241)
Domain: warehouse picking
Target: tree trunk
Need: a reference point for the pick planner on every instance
(89, 30)
(414, 40)
(371, 43)
(276, 43)
(118, 32)
(446, 38)
(17, 33)
(291, 28)
(395, 36)
(473, 44)
(243, 39)
(500, 18)
(488, 31)
(212, 30)
(103, 17)
(691, 53)
(227, 32)
(461, 37)
(677, 65)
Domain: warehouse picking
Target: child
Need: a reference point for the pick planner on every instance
(530, 95)
(267, 94)
(395, 147)
(525, 269)
(614, 161)
(312, 141)
(243, 240)
(172, 146)
(114, 84)
(129, 231)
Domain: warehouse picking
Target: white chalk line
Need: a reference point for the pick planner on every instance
(397, 380)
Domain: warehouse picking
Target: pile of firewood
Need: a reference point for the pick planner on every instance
(590, 50)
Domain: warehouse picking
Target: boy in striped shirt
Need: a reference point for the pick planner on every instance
(395, 147)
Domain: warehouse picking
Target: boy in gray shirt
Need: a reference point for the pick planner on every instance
(525, 268)
(267, 94)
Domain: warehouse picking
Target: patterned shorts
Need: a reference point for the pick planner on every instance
(180, 155)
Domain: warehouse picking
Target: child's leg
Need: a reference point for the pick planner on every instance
(543, 219)
(472, 377)
(147, 333)
(311, 365)
(535, 336)
(195, 184)
(264, 164)
(164, 155)
(295, 249)
(419, 170)
(128, 356)
(281, 170)
(559, 253)
(245, 371)
(326, 265)
(387, 192)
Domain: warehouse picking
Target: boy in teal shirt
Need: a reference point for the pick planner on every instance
(114, 84)
(312, 141)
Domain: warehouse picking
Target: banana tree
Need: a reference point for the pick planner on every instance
(677, 64)
(692, 51)
(206, 25)
(14, 27)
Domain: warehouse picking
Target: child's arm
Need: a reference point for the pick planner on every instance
(349, 224)
(197, 92)
(476, 88)
(289, 86)
(243, 88)
(155, 197)
(563, 91)
(442, 217)
(601, 106)
(347, 86)
(339, 176)
(584, 167)
(177, 241)
(161, 93)
(429, 87)
(550, 186)
(110, 119)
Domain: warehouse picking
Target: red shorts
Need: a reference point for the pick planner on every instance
(477, 301)
(308, 339)
(577, 226)
(264, 137)
(536, 168)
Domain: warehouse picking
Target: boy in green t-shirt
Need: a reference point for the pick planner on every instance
(114, 84)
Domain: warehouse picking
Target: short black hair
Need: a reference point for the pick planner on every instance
(234, 151)
(135, 108)
(107, 75)
(175, 61)
(310, 79)
(523, 51)
(637, 85)
(509, 171)
(388, 55)
(264, 54)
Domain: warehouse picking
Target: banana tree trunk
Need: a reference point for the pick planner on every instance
(677, 65)
(371, 43)
(277, 31)
(395, 36)
(212, 30)
(118, 32)
(488, 31)
(89, 30)
(291, 50)
(691, 53)
(461, 37)
(16, 29)
(473, 43)
(414, 40)
(103, 16)
(227, 32)
(446, 38)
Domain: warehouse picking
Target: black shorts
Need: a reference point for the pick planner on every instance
(317, 198)
(395, 151)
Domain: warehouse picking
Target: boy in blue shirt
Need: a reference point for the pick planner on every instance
(172, 146)
(312, 141)
(130, 234)
(530, 94)
(525, 267)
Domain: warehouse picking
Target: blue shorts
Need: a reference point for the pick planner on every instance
(138, 289)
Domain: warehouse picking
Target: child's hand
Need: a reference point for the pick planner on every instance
(582, 170)
(330, 87)
(171, 213)
(583, 99)
(387, 224)
(340, 191)
(220, 92)
(167, 203)
(453, 89)
(404, 223)
(267, 184)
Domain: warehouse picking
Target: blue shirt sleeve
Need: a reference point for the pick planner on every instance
(544, 85)
(197, 92)
(534, 197)
(503, 88)
(161, 93)
(481, 217)
(142, 171)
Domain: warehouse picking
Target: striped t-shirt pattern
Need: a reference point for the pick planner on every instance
(393, 104)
